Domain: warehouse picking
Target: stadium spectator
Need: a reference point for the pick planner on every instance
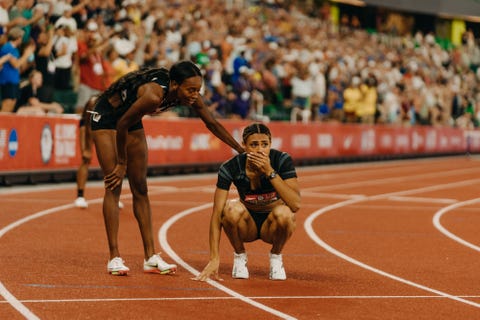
(91, 55)
(12, 68)
(302, 92)
(26, 16)
(242, 88)
(5, 20)
(45, 62)
(64, 49)
(124, 61)
(30, 101)
(352, 97)
(172, 30)
(367, 110)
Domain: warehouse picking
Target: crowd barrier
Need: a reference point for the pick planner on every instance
(39, 148)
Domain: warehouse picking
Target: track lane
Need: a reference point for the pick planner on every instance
(320, 285)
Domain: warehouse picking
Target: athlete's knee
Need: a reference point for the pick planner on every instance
(232, 212)
(283, 216)
(139, 187)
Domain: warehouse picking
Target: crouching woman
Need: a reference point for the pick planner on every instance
(269, 196)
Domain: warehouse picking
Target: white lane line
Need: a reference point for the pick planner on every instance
(422, 199)
(213, 298)
(311, 233)
(438, 225)
(385, 167)
(374, 182)
(329, 195)
(162, 236)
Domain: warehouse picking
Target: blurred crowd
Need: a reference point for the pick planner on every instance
(262, 60)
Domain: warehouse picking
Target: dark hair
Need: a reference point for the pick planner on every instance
(178, 72)
(256, 128)
(134, 79)
(183, 70)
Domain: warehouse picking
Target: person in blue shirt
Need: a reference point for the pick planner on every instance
(10, 71)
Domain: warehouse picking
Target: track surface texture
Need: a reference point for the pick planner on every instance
(379, 240)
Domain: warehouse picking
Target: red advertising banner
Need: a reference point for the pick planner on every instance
(30, 143)
(38, 143)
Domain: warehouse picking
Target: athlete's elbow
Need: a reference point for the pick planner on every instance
(155, 100)
(295, 208)
(211, 125)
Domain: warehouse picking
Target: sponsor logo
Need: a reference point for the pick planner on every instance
(256, 198)
(325, 141)
(165, 142)
(367, 142)
(431, 140)
(386, 141)
(13, 143)
(347, 142)
(204, 141)
(65, 143)
(46, 143)
(417, 140)
(402, 141)
(277, 143)
(301, 141)
(3, 142)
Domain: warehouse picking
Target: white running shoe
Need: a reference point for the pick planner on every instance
(120, 205)
(156, 264)
(116, 267)
(80, 202)
(277, 272)
(240, 270)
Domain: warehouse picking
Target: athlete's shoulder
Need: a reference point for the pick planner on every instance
(278, 153)
(235, 161)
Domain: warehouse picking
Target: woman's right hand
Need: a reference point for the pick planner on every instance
(115, 179)
(210, 269)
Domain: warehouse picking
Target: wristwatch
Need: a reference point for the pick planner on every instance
(272, 175)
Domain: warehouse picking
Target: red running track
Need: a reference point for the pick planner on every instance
(380, 240)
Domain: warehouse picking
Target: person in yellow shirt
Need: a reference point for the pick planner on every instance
(125, 60)
(368, 106)
(352, 96)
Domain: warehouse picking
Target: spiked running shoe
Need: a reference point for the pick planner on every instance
(155, 264)
(277, 272)
(240, 270)
(116, 267)
(80, 202)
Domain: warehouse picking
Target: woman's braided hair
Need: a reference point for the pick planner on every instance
(178, 72)
(134, 79)
(256, 128)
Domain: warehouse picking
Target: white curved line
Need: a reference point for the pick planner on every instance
(162, 236)
(438, 225)
(309, 229)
